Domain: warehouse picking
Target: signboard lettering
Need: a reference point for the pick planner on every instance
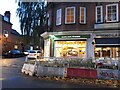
(72, 36)
(107, 74)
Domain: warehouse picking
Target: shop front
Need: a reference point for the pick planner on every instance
(107, 47)
(80, 44)
(67, 44)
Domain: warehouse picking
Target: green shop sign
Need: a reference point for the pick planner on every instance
(72, 36)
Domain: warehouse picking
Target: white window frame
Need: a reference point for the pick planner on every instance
(58, 16)
(117, 19)
(48, 16)
(84, 15)
(66, 15)
(101, 12)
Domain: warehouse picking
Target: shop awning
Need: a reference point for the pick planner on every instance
(107, 42)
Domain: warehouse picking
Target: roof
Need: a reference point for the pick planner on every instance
(14, 32)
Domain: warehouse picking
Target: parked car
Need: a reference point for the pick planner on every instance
(39, 53)
(14, 54)
(34, 54)
(26, 52)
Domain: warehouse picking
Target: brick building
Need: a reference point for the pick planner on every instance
(82, 29)
(10, 38)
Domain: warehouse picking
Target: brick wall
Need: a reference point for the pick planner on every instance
(90, 18)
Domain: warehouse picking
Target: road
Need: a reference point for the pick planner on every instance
(13, 78)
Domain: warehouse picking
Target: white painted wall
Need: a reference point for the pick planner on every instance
(90, 47)
(46, 49)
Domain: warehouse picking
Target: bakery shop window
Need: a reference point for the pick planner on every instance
(70, 49)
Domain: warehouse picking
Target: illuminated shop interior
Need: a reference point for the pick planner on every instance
(70, 49)
(112, 52)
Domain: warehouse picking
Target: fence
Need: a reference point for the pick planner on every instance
(51, 71)
(71, 68)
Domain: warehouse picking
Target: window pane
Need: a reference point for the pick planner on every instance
(113, 16)
(70, 15)
(99, 14)
(72, 9)
(68, 20)
(109, 11)
(58, 17)
(68, 12)
(68, 9)
(72, 12)
(113, 7)
(109, 17)
(98, 11)
(82, 15)
(112, 13)
(72, 20)
(109, 7)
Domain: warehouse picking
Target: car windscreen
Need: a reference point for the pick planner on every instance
(14, 51)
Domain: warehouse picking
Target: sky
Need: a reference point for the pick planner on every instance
(11, 5)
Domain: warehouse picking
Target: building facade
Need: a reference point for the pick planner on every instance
(10, 38)
(82, 29)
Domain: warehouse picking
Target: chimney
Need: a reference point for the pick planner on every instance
(7, 14)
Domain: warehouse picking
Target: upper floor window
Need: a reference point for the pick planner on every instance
(112, 12)
(5, 33)
(70, 15)
(82, 15)
(58, 16)
(99, 14)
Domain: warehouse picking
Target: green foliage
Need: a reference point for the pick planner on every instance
(32, 18)
(31, 15)
(70, 62)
